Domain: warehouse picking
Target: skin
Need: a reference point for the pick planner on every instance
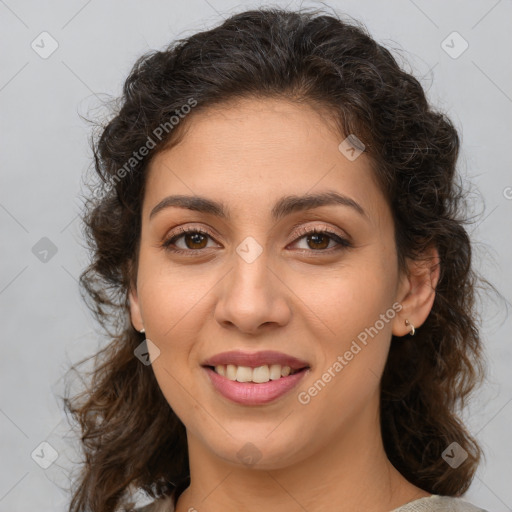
(300, 297)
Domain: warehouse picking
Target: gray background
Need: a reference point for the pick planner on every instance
(45, 326)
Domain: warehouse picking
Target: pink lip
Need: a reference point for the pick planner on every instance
(249, 393)
(255, 359)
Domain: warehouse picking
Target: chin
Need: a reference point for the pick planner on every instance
(250, 450)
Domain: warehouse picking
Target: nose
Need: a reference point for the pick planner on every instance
(252, 299)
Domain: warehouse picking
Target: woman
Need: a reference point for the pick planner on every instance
(280, 257)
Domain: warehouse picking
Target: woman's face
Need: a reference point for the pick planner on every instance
(247, 277)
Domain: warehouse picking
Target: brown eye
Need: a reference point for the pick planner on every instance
(188, 240)
(320, 240)
(195, 240)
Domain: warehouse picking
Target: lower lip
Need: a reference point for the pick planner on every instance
(250, 393)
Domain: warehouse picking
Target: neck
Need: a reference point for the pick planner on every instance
(350, 472)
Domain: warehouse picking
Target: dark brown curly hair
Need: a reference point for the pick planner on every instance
(131, 438)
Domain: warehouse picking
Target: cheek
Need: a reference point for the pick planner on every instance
(176, 305)
(172, 297)
(348, 299)
(348, 375)
(355, 305)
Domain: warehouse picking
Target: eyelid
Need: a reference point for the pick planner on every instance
(305, 230)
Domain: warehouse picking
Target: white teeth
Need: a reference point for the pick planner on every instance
(285, 371)
(231, 372)
(275, 371)
(243, 374)
(259, 374)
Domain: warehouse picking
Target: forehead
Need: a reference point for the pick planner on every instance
(249, 127)
(254, 150)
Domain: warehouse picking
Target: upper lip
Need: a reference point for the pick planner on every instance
(255, 359)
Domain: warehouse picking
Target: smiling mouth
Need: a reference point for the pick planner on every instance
(257, 375)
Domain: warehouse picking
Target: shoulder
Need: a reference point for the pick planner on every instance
(162, 505)
(436, 503)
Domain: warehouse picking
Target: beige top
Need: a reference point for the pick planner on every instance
(434, 503)
(438, 504)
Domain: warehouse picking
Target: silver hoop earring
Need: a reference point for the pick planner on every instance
(413, 330)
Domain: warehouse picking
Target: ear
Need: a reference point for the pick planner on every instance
(135, 312)
(417, 291)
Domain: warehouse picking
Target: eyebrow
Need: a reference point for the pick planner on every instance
(283, 207)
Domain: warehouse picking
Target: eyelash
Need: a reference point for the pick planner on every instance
(343, 243)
